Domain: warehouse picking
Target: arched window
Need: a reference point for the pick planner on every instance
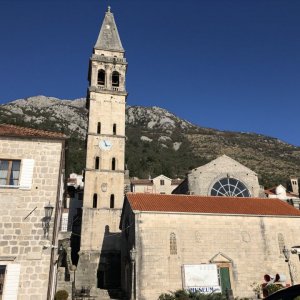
(99, 127)
(113, 163)
(114, 129)
(97, 163)
(115, 79)
(112, 201)
(95, 199)
(101, 77)
(229, 187)
(173, 244)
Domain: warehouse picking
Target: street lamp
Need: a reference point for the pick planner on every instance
(287, 254)
(46, 220)
(132, 258)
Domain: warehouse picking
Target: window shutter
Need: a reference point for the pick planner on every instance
(11, 282)
(26, 173)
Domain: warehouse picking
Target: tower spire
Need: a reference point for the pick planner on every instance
(109, 38)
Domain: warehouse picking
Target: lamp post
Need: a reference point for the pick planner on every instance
(132, 258)
(286, 253)
(46, 220)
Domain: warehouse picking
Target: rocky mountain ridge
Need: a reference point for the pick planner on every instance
(158, 141)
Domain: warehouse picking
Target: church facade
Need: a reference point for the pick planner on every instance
(241, 238)
(222, 176)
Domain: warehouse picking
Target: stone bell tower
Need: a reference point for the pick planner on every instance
(99, 256)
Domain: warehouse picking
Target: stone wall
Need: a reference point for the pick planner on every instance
(22, 238)
(248, 243)
(201, 180)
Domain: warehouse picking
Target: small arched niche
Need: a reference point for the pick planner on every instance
(113, 163)
(112, 201)
(95, 200)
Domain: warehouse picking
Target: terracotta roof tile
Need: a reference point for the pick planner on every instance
(141, 181)
(210, 205)
(176, 181)
(18, 131)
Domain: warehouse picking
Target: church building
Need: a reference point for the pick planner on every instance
(205, 243)
(222, 176)
(218, 225)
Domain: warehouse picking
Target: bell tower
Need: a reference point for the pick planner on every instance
(99, 256)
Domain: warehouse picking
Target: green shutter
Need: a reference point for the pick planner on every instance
(225, 279)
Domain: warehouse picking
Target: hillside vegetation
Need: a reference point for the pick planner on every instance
(158, 141)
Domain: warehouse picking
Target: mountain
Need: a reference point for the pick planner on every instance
(158, 141)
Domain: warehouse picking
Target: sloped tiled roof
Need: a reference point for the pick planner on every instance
(141, 181)
(210, 205)
(22, 132)
(177, 181)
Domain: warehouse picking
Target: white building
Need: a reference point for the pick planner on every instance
(281, 193)
(158, 185)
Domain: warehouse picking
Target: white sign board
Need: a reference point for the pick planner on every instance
(203, 278)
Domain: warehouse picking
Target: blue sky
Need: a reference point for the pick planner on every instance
(230, 65)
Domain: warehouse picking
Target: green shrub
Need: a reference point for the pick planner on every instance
(272, 288)
(189, 295)
(61, 295)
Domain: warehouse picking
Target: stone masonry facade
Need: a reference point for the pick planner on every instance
(200, 180)
(99, 257)
(22, 240)
(248, 244)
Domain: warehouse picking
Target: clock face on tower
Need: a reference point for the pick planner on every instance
(105, 145)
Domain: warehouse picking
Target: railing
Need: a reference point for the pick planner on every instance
(82, 294)
(103, 88)
(109, 59)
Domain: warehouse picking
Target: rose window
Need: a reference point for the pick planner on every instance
(229, 187)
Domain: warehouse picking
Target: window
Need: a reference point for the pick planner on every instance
(229, 187)
(114, 129)
(97, 163)
(112, 201)
(115, 79)
(162, 182)
(113, 163)
(2, 277)
(64, 222)
(9, 172)
(173, 244)
(99, 127)
(101, 77)
(95, 200)
(10, 276)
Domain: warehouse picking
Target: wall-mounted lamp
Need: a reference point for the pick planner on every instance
(46, 220)
(132, 253)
